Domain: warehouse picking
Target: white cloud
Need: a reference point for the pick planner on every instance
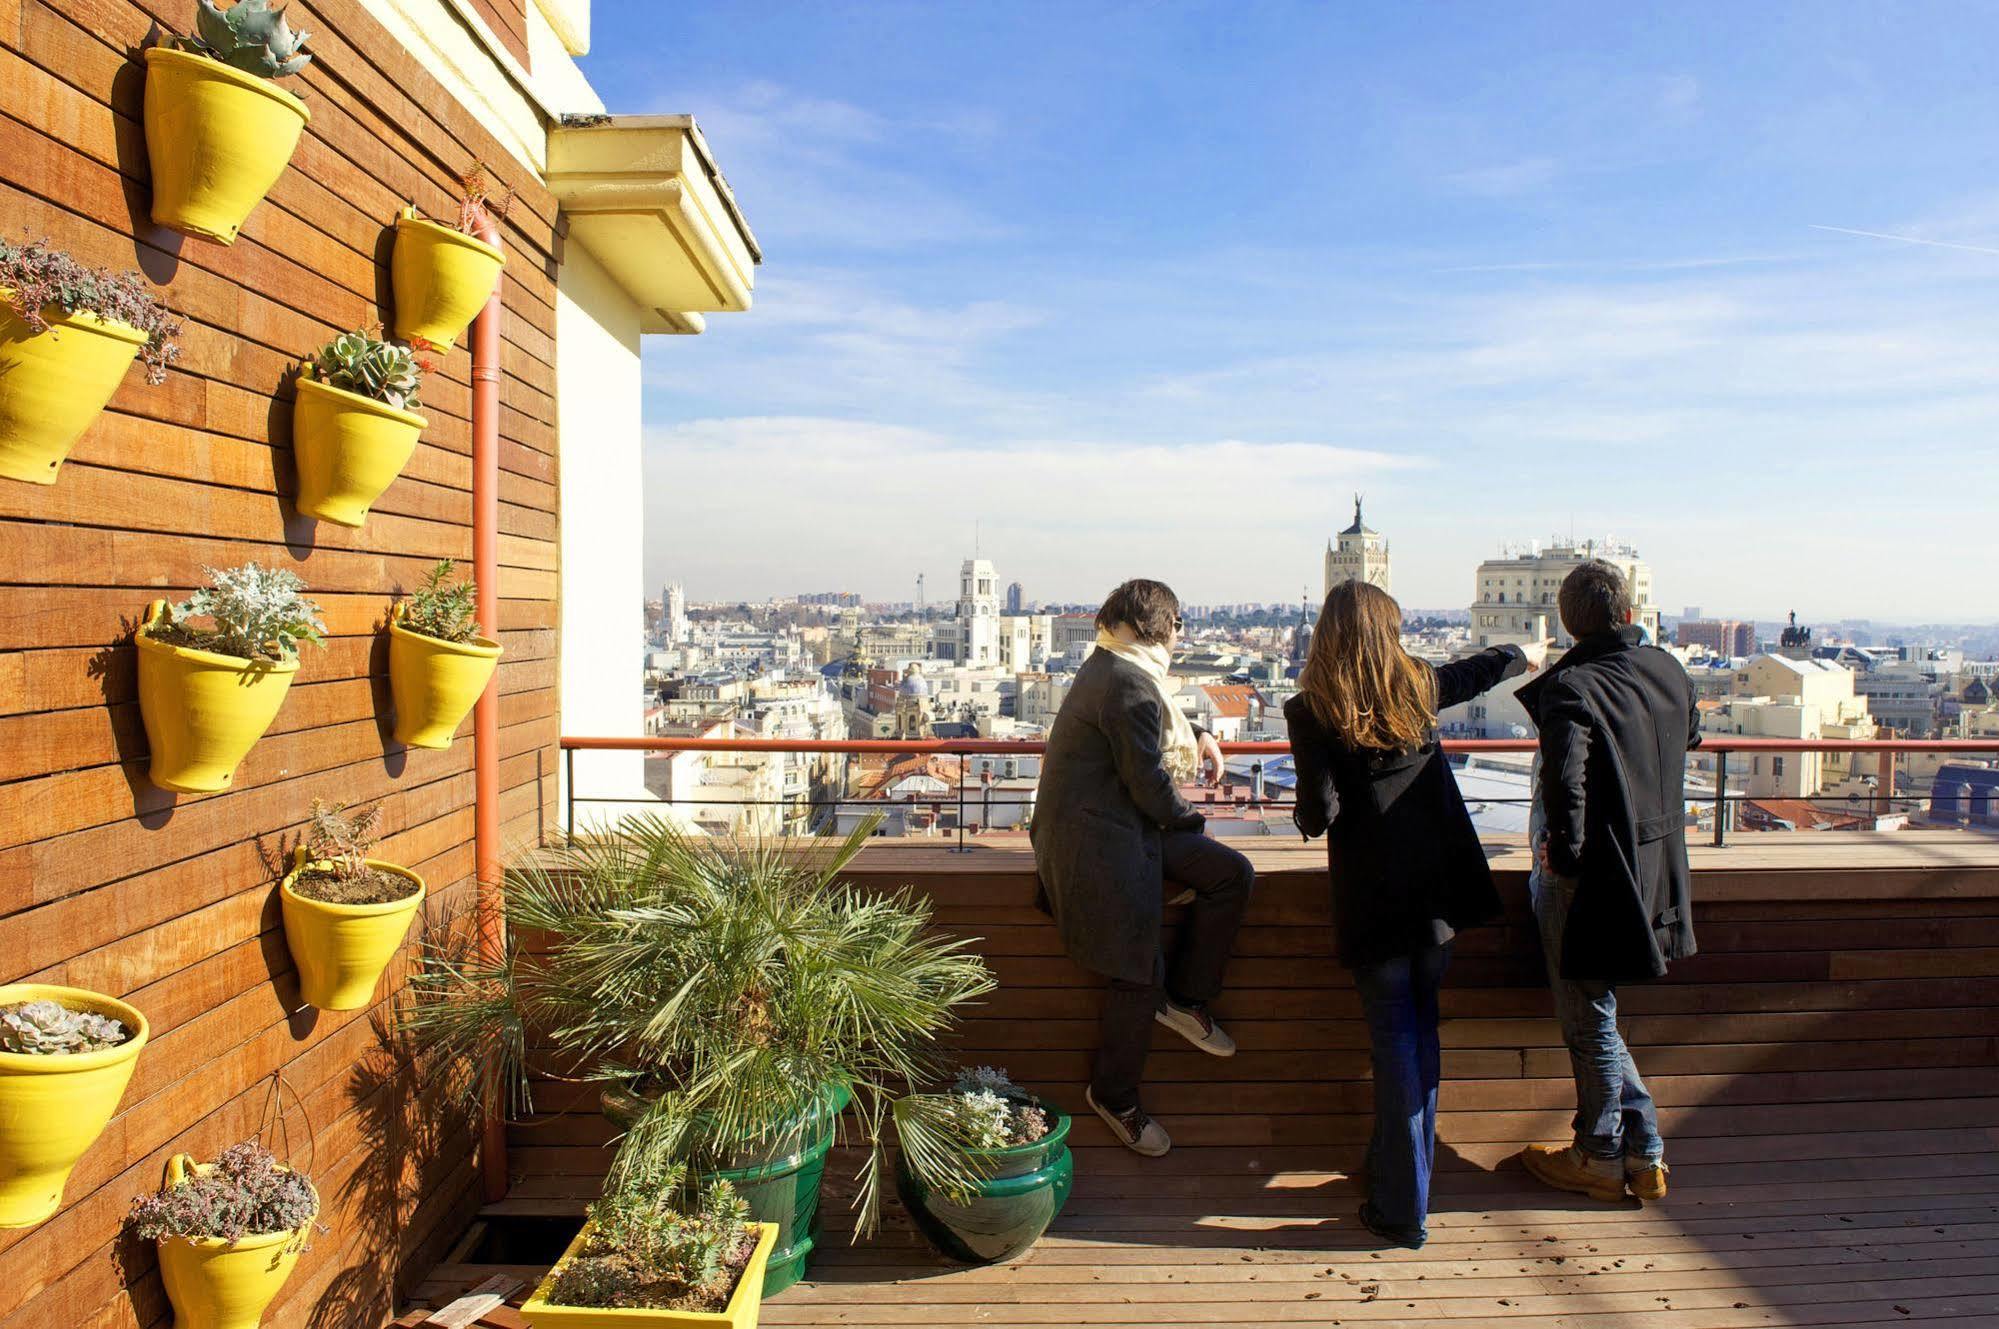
(1505, 180)
(765, 505)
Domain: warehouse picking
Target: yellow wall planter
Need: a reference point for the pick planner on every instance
(217, 139)
(435, 683)
(348, 449)
(741, 1313)
(214, 1285)
(342, 949)
(443, 278)
(53, 1108)
(203, 711)
(53, 384)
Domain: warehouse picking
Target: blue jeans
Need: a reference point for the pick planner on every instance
(1400, 998)
(1615, 1117)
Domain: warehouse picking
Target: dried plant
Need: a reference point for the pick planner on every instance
(246, 1193)
(443, 608)
(477, 206)
(655, 1245)
(49, 1028)
(253, 613)
(736, 985)
(249, 35)
(40, 277)
(362, 363)
(339, 841)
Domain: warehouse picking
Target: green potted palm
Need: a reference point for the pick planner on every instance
(731, 999)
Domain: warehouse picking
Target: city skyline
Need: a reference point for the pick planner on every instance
(1720, 288)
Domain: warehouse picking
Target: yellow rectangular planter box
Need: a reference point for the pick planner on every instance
(745, 1305)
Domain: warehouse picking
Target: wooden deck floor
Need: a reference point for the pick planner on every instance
(1854, 1227)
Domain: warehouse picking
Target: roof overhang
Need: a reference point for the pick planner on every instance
(642, 195)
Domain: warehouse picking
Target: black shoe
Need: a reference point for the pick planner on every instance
(1370, 1218)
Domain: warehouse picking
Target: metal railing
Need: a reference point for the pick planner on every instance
(1720, 746)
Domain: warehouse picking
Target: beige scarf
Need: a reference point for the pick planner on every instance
(1177, 749)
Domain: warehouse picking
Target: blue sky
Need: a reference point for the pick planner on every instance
(1149, 289)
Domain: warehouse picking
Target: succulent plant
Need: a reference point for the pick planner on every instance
(249, 35)
(653, 1245)
(39, 277)
(361, 362)
(990, 1111)
(247, 1192)
(49, 1028)
(254, 613)
(443, 608)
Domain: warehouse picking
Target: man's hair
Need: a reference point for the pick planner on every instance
(1149, 606)
(1594, 599)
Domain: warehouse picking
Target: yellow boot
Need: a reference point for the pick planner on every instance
(1646, 1177)
(1568, 1168)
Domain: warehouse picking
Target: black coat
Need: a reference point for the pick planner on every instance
(1103, 801)
(1617, 719)
(1407, 867)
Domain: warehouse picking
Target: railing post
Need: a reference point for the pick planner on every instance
(569, 792)
(1721, 798)
(962, 848)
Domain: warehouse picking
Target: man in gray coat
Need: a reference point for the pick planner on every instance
(1110, 829)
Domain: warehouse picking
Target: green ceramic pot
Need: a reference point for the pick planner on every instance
(1008, 1211)
(780, 1185)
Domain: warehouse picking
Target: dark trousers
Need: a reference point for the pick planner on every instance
(1400, 997)
(1221, 880)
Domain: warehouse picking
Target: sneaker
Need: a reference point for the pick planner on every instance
(1646, 1177)
(1134, 1130)
(1194, 1024)
(1370, 1218)
(1568, 1168)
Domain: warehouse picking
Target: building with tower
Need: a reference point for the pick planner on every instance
(673, 614)
(1516, 598)
(973, 637)
(912, 703)
(1357, 554)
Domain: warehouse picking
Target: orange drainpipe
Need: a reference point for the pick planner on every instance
(486, 715)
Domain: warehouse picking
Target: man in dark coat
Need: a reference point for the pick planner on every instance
(1611, 888)
(1110, 828)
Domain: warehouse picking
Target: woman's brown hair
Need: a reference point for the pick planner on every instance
(1359, 681)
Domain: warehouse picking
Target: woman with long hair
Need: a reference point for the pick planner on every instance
(1407, 869)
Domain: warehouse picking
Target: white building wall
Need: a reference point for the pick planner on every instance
(597, 399)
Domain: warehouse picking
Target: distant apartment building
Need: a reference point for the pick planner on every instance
(674, 624)
(1039, 696)
(1904, 696)
(972, 637)
(1357, 554)
(1072, 637)
(1516, 592)
(1778, 697)
(1721, 636)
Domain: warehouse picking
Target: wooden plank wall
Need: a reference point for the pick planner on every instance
(1825, 1002)
(108, 883)
(508, 20)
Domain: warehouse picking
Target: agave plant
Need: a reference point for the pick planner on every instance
(736, 981)
(249, 35)
(361, 362)
(253, 613)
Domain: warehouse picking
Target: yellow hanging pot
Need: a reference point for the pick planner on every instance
(53, 1107)
(53, 383)
(214, 1284)
(342, 949)
(203, 712)
(443, 278)
(217, 139)
(435, 683)
(348, 449)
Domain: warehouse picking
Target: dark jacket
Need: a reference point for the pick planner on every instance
(1103, 801)
(1407, 868)
(1617, 719)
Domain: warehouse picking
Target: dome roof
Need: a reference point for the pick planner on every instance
(914, 684)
